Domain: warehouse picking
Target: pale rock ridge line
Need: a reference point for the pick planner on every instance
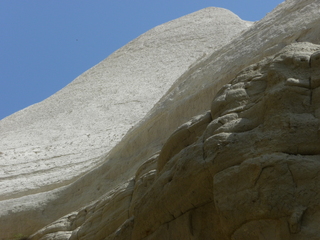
(77, 92)
(91, 115)
(266, 37)
(290, 22)
(189, 94)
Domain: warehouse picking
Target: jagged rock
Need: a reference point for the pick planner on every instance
(249, 171)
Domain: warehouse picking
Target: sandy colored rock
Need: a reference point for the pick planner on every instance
(52, 144)
(253, 175)
(184, 136)
(259, 148)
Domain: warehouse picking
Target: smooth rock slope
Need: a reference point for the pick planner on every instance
(50, 145)
(88, 117)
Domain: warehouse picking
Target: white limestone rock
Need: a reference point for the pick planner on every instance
(50, 145)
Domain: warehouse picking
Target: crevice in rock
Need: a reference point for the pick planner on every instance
(292, 176)
(174, 218)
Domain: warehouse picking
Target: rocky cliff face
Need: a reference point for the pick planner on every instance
(48, 147)
(247, 169)
(243, 168)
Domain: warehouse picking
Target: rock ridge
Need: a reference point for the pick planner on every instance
(91, 115)
(200, 154)
(249, 169)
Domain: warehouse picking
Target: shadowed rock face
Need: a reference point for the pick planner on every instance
(264, 147)
(248, 171)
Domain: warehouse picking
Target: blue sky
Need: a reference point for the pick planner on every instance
(45, 44)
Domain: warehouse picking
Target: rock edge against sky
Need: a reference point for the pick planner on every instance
(189, 94)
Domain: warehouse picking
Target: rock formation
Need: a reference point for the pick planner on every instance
(245, 167)
(48, 146)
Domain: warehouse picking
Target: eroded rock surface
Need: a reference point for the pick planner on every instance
(50, 145)
(181, 191)
(251, 172)
(266, 160)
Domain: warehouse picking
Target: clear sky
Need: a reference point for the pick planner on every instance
(45, 44)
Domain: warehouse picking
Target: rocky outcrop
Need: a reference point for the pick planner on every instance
(246, 169)
(49, 146)
(251, 172)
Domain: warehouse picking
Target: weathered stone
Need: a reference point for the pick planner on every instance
(184, 136)
(48, 147)
(251, 172)
(246, 170)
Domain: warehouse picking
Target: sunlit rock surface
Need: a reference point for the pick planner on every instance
(50, 145)
(246, 169)
(163, 181)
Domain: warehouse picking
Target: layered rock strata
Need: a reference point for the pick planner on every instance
(190, 95)
(247, 169)
(48, 146)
